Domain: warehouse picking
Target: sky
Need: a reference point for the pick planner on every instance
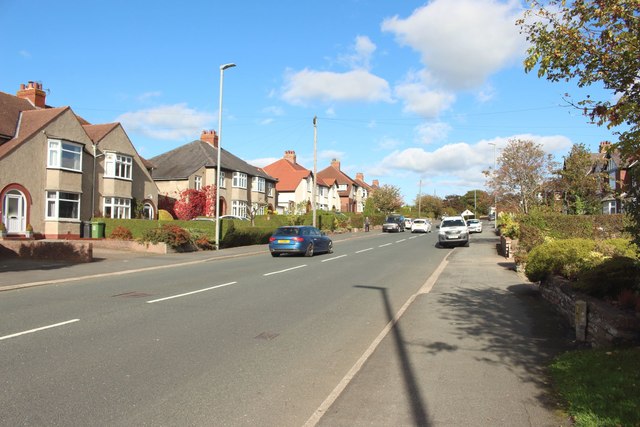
(413, 94)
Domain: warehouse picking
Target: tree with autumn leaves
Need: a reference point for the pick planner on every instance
(192, 203)
(593, 42)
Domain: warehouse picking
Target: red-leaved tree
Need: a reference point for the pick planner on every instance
(193, 203)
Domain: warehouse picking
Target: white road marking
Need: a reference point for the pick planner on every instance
(39, 329)
(342, 385)
(400, 241)
(284, 271)
(191, 293)
(386, 244)
(364, 250)
(413, 237)
(335, 257)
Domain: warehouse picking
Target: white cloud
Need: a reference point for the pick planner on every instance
(262, 162)
(149, 95)
(387, 143)
(167, 122)
(265, 122)
(24, 53)
(419, 99)
(361, 57)
(428, 133)
(274, 110)
(356, 85)
(461, 162)
(486, 93)
(330, 155)
(461, 42)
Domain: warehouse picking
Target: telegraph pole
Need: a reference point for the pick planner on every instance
(315, 167)
(420, 199)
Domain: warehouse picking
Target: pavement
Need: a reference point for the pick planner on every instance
(471, 348)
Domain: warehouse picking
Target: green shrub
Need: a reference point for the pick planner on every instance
(610, 278)
(246, 237)
(563, 257)
(173, 235)
(618, 247)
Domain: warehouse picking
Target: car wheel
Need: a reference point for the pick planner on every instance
(330, 248)
(309, 251)
(275, 254)
(466, 244)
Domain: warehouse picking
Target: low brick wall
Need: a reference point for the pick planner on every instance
(132, 245)
(604, 324)
(64, 250)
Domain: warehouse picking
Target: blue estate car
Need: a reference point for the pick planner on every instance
(299, 239)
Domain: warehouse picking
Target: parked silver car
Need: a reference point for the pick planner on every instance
(475, 225)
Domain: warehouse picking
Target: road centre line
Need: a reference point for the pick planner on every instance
(400, 241)
(191, 293)
(285, 270)
(335, 257)
(386, 244)
(55, 325)
(364, 250)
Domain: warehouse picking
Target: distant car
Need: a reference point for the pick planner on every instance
(421, 225)
(475, 225)
(453, 230)
(407, 223)
(299, 239)
(393, 223)
(203, 218)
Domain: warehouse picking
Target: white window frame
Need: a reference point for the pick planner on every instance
(221, 183)
(239, 180)
(239, 208)
(197, 182)
(118, 166)
(258, 184)
(116, 207)
(57, 198)
(64, 155)
(343, 187)
(270, 188)
(258, 209)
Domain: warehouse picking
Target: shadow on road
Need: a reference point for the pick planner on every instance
(419, 411)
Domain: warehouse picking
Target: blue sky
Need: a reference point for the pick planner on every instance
(405, 92)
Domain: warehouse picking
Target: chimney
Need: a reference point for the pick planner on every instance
(604, 146)
(33, 93)
(290, 155)
(210, 137)
(376, 183)
(335, 163)
(360, 176)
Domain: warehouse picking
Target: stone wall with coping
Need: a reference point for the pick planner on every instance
(603, 326)
(59, 250)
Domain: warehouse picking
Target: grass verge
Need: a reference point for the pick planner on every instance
(600, 387)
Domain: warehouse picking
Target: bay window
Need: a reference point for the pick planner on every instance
(117, 207)
(64, 155)
(63, 205)
(118, 166)
(240, 180)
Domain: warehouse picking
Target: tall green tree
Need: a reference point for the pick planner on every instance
(430, 206)
(580, 182)
(387, 198)
(591, 41)
(477, 201)
(523, 169)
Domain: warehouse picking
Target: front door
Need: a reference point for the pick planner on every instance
(14, 212)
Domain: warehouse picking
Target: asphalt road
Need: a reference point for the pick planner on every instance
(246, 341)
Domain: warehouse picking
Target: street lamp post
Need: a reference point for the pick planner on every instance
(495, 191)
(222, 68)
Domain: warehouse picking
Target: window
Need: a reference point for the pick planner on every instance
(240, 180)
(270, 189)
(258, 209)
(64, 155)
(221, 183)
(62, 205)
(258, 184)
(117, 166)
(342, 187)
(117, 207)
(239, 208)
(197, 182)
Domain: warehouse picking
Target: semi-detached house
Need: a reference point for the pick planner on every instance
(244, 188)
(57, 170)
(295, 185)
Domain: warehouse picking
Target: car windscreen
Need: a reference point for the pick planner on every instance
(453, 223)
(287, 231)
(393, 219)
(418, 221)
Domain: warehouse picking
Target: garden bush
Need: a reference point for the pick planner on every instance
(173, 235)
(121, 233)
(610, 278)
(563, 257)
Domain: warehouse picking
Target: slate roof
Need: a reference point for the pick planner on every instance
(182, 162)
(289, 174)
(10, 108)
(31, 121)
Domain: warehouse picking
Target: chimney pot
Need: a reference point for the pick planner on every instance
(33, 93)
(209, 137)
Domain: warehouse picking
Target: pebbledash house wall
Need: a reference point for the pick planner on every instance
(606, 325)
